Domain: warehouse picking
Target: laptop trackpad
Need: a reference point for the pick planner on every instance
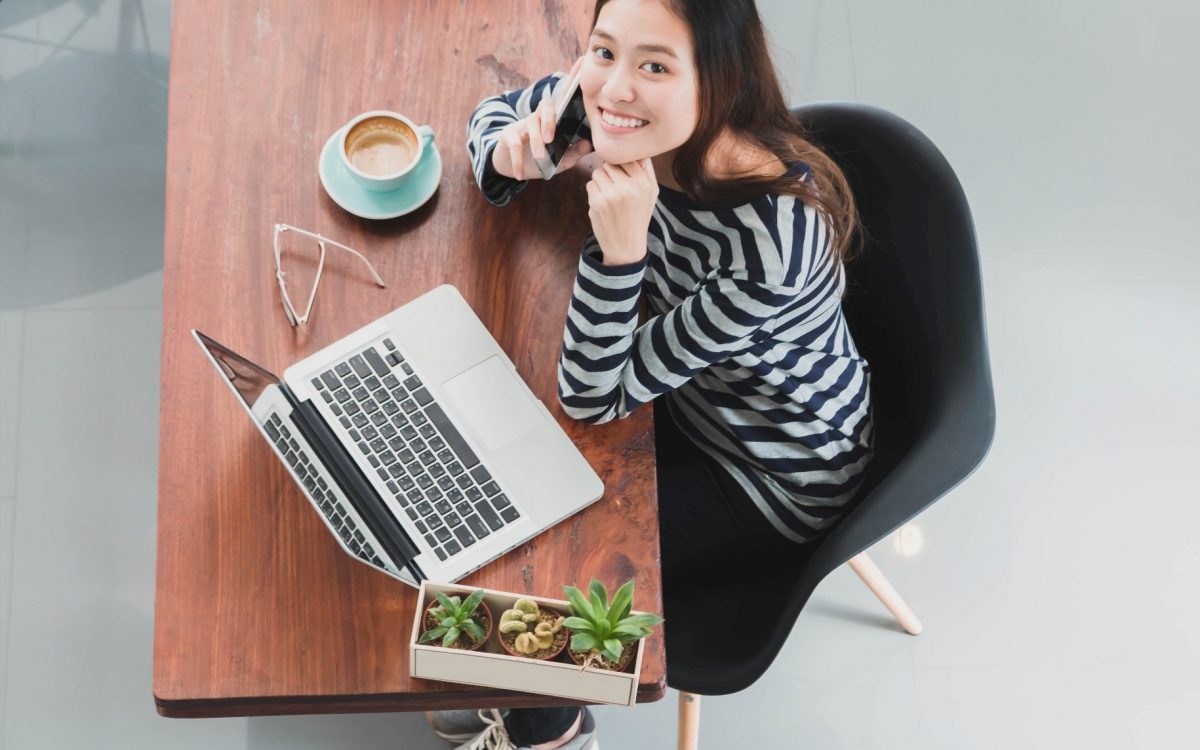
(496, 404)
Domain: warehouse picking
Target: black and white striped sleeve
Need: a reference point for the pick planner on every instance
(609, 365)
(483, 132)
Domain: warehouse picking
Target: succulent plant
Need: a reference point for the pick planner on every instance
(454, 617)
(602, 628)
(532, 632)
(519, 619)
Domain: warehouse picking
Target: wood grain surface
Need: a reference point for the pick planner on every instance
(258, 611)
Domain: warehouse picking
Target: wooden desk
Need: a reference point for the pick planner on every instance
(257, 609)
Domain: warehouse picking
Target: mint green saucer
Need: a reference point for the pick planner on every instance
(367, 204)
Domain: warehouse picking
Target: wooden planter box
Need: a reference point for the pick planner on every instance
(492, 666)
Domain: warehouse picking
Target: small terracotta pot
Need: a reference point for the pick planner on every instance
(627, 653)
(560, 641)
(481, 612)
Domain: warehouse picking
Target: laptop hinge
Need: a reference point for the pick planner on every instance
(355, 485)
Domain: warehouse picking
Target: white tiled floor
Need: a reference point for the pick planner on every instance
(1056, 584)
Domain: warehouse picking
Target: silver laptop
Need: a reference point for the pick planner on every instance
(416, 441)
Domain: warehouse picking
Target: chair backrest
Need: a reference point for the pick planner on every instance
(914, 305)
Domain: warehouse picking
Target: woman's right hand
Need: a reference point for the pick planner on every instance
(523, 141)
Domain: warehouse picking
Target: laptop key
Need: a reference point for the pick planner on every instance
(345, 422)
(455, 469)
(408, 433)
(387, 430)
(412, 383)
(445, 483)
(417, 445)
(453, 520)
(441, 553)
(342, 369)
(464, 536)
(421, 527)
(489, 516)
(406, 456)
(422, 396)
(464, 508)
(477, 526)
(327, 396)
(427, 458)
(359, 419)
(442, 506)
(428, 432)
(399, 420)
(454, 496)
(342, 395)
(429, 538)
(397, 471)
(379, 446)
(425, 482)
(352, 382)
(443, 534)
(405, 366)
(481, 474)
(414, 496)
(372, 383)
(419, 419)
(436, 522)
(376, 361)
(352, 409)
(406, 483)
(390, 381)
(452, 435)
(394, 358)
(491, 489)
(464, 481)
(388, 458)
(330, 379)
(501, 502)
(412, 513)
(424, 508)
(274, 433)
(409, 406)
(360, 365)
(452, 547)
(389, 344)
(390, 407)
(474, 495)
(337, 410)
(369, 433)
(437, 444)
(510, 514)
(437, 470)
(370, 407)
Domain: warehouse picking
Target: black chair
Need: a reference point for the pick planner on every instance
(915, 307)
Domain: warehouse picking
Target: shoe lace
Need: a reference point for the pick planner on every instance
(494, 736)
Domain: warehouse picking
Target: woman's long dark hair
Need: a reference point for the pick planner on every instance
(739, 90)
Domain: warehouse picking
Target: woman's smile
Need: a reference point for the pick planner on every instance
(618, 124)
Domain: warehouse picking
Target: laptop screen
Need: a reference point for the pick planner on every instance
(247, 379)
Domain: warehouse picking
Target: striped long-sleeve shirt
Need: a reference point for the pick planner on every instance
(745, 337)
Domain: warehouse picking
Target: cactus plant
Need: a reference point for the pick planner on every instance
(601, 629)
(454, 618)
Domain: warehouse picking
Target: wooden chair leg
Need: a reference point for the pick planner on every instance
(689, 721)
(875, 580)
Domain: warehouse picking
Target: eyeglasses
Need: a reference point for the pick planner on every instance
(288, 308)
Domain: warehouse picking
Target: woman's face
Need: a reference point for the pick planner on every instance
(639, 70)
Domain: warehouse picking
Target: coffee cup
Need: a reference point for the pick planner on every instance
(380, 149)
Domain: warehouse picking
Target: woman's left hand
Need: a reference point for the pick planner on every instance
(621, 199)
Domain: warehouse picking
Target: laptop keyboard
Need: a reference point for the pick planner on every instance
(343, 523)
(419, 454)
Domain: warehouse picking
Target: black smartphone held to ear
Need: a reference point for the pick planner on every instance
(569, 119)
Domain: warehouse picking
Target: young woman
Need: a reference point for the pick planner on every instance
(708, 204)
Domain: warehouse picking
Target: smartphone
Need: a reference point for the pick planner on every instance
(570, 117)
